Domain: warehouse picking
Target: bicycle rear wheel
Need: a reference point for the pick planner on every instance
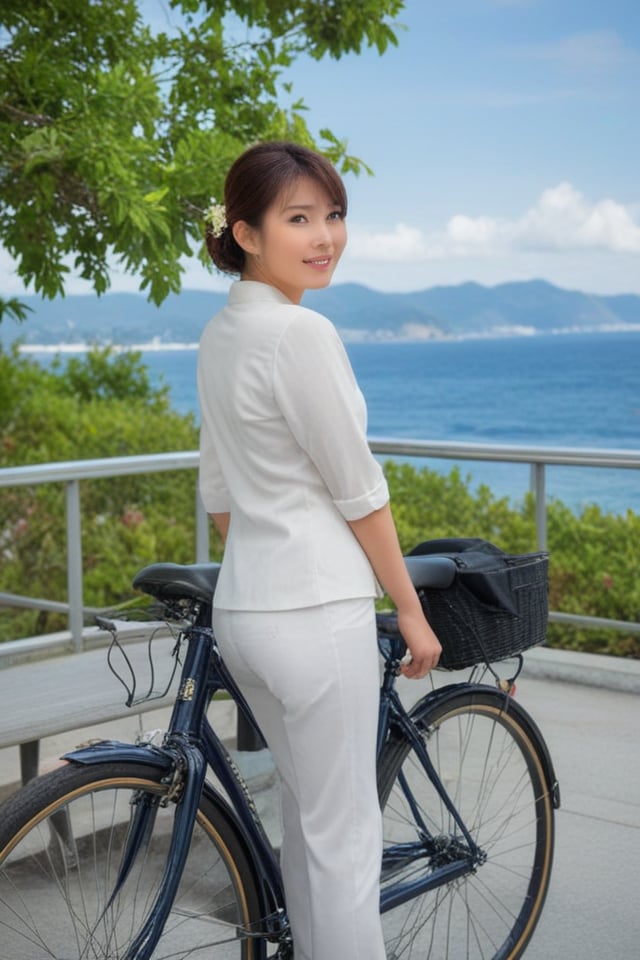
(492, 770)
(61, 845)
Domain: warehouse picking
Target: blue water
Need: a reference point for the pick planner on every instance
(565, 391)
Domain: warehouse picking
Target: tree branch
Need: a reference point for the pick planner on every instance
(30, 119)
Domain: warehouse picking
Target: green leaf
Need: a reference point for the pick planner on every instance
(14, 310)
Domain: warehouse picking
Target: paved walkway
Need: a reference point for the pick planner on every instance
(592, 907)
(593, 734)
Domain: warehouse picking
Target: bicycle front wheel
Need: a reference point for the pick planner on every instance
(62, 839)
(486, 758)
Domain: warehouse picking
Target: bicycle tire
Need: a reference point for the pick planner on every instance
(61, 839)
(490, 765)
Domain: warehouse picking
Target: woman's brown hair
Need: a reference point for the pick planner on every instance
(255, 180)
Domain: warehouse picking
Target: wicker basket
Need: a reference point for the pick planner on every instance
(473, 632)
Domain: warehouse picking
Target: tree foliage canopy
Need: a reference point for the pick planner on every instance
(114, 138)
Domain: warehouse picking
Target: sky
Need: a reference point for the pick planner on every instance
(504, 136)
(505, 140)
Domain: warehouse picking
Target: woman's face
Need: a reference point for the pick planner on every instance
(300, 242)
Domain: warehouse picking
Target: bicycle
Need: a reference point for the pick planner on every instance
(128, 852)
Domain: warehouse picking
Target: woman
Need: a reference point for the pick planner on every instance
(288, 478)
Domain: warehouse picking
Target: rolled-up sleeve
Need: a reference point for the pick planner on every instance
(316, 391)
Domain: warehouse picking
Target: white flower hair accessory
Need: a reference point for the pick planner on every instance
(216, 218)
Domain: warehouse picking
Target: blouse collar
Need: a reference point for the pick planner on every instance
(251, 291)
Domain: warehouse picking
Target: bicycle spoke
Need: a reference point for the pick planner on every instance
(486, 765)
(63, 895)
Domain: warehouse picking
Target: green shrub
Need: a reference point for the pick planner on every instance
(104, 406)
(593, 568)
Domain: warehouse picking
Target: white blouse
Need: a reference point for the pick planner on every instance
(283, 449)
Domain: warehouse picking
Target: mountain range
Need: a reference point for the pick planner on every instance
(466, 310)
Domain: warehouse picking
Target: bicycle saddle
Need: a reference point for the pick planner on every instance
(176, 581)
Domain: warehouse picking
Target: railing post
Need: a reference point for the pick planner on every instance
(74, 563)
(540, 498)
(202, 530)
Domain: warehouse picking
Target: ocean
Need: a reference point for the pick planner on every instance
(567, 390)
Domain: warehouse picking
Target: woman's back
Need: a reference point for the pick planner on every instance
(274, 385)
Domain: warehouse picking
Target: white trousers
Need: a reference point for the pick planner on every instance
(311, 678)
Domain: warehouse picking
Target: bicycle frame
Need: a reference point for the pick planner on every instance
(191, 743)
(395, 721)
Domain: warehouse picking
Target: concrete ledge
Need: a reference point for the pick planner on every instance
(50, 645)
(588, 669)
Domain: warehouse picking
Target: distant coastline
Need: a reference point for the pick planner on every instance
(348, 335)
(116, 347)
(525, 309)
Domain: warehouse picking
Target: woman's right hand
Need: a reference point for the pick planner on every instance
(423, 646)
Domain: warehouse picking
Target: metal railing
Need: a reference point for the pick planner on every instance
(73, 472)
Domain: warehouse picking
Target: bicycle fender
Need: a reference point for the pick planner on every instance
(505, 703)
(107, 751)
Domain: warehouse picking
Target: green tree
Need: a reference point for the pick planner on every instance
(113, 138)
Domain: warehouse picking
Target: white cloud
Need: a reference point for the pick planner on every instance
(562, 219)
(402, 243)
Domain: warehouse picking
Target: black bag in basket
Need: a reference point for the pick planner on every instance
(496, 607)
